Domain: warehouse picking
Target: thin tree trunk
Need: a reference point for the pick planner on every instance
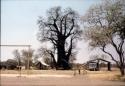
(121, 67)
(122, 71)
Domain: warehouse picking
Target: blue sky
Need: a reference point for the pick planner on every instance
(19, 21)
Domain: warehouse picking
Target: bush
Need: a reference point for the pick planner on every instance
(2, 65)
(11, 64)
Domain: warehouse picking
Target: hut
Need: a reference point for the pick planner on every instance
(94, 65)
(41, 65)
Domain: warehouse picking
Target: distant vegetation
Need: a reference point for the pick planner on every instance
(104, 27)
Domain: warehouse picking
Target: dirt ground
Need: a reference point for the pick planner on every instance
(59, 78)
(57, 81)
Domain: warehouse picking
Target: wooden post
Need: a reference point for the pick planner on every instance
(19, 71)
(109, 66)
(74, 72)
(79, 71)
(28, 60)
(98, 66)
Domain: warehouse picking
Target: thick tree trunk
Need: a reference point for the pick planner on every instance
(62, 61)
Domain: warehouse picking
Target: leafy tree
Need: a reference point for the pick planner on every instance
(105, 25)
(61, 28)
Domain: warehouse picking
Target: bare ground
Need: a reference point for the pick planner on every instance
(57, 81)
(59, 78)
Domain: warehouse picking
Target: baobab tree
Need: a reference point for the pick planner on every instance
(61, 28)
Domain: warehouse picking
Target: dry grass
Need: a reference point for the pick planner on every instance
(67, 72)
(104, 75)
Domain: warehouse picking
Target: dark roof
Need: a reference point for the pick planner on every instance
(98, 60)
(39, 62)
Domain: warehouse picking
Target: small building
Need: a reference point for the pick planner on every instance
(42, 66)
(94, 65)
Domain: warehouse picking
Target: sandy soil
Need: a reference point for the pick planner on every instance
(56, 81)
(59, 78)
(35, 75)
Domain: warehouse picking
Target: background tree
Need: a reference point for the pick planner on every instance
(72, 58)
(98, 56)
(61, 29)
(17, 57)
(27, 57)
(93, 57)
(48, 56)
(105, 25)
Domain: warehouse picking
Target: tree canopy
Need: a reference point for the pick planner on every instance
(61, 28)
(105, 25)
